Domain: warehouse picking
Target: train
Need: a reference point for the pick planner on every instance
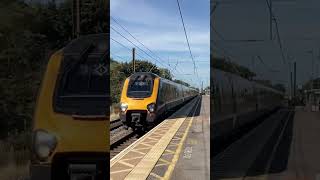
(236, 102)
(146, 98)
(70, 124)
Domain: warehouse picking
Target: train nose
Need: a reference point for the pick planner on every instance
(136, 118)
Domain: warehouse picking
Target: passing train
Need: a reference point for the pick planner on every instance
(237, 102)
(70, 124)
(146, 97)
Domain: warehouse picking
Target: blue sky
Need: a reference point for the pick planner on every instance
(299, 29)
(158, 26)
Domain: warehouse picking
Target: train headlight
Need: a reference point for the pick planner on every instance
(44, 144)
(151, 107)
(123, 107)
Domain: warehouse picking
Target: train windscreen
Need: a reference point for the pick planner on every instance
(82, 86)
(140, 86)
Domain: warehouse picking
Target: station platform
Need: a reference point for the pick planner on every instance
(283, 147)
(303, 156)
(178, 148)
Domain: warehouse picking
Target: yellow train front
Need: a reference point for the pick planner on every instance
(70, 127)
(146, 98)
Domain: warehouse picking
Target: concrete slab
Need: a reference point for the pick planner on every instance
(304, 155)
(194, 160)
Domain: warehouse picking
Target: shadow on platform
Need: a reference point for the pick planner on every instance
(259, 166)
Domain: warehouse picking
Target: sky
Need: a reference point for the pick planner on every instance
(299, 29)
(158, 26)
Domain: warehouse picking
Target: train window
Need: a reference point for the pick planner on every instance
(87, 80)
(140, 86)
(82, 86)
(172, 93)
(86, 74)
(176, 92)
(161, 95)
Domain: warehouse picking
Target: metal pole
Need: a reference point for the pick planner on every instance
(133, 60)
(78, 18)
(312, 66)
(73, 21)
(270, 12)
(295, 79)
(202, 86)
(291, 85)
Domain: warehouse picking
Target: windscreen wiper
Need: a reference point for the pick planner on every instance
(83, 57)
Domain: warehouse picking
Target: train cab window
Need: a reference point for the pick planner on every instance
(88, 79)
(140, 86)
(82, 87)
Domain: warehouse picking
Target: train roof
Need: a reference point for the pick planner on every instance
(145, 73)
(240, 79)
(157, 76)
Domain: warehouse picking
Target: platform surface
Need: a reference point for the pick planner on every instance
(194, 160)
(304, 158)
(163, 152)
(277, 149)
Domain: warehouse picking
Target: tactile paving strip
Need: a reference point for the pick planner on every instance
(125, 165)
(167, 158)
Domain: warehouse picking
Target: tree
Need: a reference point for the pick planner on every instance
(311, 84)
(231, 67)
(29, 34)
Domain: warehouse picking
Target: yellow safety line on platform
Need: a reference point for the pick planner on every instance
(116, 158)
(145, 166)
(175, 158)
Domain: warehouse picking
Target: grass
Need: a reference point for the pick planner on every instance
(14, 157)
(114, 111)
(14, 172)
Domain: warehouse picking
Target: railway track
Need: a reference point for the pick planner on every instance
(120, 138)
(121, 146)
(115, 124)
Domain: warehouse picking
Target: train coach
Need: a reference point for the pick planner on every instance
(70, 124)
(146, 97)
(237, 102)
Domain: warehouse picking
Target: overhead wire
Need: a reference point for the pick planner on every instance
(267, 67)
(138, 47)
(187, 39)
(118, 56)
(175, 68)
(142, 57)
(122, 27)
(185, 33)
(278, 34)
